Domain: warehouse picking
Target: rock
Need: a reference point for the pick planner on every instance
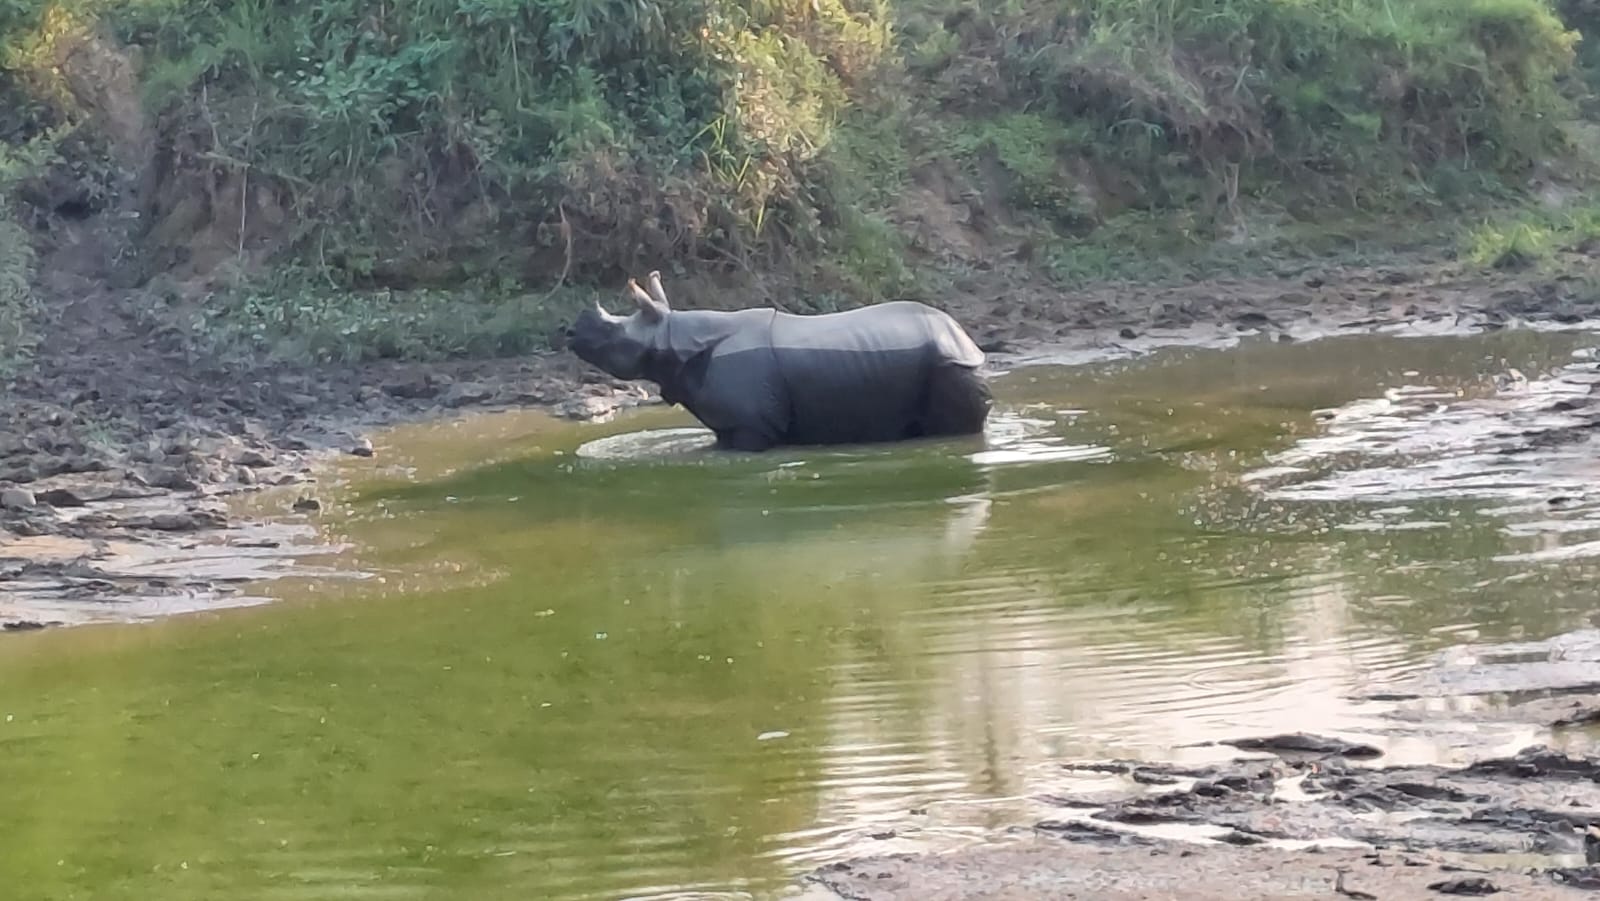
(62, 497)
(21, 473)
(212, 446)
(77, 464)
(192, 521)
(412, 389)
(1077, 831)
(253, 458)
(307, 505)
(1576, 877)
(589, 408)
(161, 477)
(362, 447)
(267, 543)
(466, 394)
(1539, 761)
(17, 499)
(1464, 885)
(245, 475)
(1302, 744)
(1151, 777)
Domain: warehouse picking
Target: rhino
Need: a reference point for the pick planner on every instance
(762, 378)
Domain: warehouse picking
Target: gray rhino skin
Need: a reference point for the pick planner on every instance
(762, 378)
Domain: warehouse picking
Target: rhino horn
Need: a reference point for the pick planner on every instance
(656, 290)
(647, 305)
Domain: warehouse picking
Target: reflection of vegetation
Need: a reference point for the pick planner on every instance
(412, 740)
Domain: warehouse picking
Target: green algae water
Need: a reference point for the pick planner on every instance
(601, 661)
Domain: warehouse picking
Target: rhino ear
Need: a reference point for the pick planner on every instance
(648, 308)
(656, 291)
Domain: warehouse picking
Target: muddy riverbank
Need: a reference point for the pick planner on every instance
(1313, 817)
(1300, 814)
(119, 451)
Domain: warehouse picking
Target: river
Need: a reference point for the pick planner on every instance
(601, 661)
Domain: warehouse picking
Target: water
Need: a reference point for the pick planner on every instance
(605, 662)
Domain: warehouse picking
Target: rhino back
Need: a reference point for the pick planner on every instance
(861, 375)
(882, 328)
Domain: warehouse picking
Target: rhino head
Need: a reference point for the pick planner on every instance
(622, 345)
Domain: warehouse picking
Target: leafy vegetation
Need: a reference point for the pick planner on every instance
(18, 304)
(426, 177)
(1533, 239)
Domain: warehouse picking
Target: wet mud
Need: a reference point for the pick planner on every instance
(1307, 820)
(1050, 866)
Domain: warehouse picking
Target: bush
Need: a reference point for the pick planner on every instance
(1358, 99)
(657, 129)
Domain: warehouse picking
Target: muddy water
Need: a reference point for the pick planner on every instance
(600, 661)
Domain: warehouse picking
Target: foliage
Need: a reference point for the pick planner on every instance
(664, 128)
(1192, 106)
(297, 315)
(501, 149)
(18, 305)
(1533, 239)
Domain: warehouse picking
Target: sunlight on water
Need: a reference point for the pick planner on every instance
(651, 443)
(1009, 438)
(1417, 445)
(611, 663)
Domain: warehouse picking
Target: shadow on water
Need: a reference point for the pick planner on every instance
(598, 661)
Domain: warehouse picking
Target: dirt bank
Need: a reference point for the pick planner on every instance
(118, 447)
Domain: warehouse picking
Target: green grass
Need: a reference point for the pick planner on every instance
(1532, 239)
(481, 152)
(294, 314)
